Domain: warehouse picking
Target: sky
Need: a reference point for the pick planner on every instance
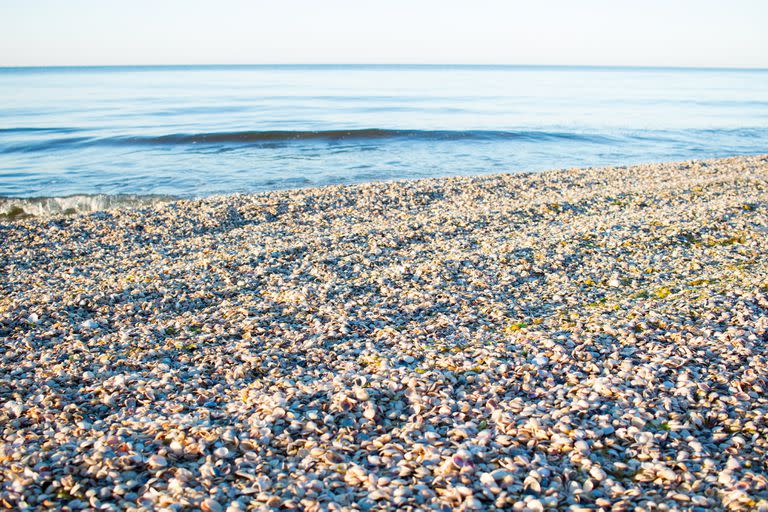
(696, 33)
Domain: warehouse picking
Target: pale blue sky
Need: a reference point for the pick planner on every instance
(594, 32)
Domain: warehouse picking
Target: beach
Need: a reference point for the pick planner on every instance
(572, 339)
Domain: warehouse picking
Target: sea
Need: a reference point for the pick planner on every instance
(84, 137)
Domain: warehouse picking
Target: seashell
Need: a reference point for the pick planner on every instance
(532, 484)
(597, 473)
(176, 447)
(361, 394)
(581, 446)
(211, 505)
(89, 324)
(157, 461)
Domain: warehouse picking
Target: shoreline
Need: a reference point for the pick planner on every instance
(572, 338)
(42, 207)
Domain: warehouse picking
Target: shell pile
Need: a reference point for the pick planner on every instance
(578, 339)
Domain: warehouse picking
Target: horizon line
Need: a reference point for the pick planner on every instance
(384, 65)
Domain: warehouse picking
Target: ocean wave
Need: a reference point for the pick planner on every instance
(287, 136)
(41, 129)
(15, 208)
(366, 134)
(270, 137)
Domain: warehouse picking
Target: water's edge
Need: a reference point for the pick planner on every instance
(17, 208)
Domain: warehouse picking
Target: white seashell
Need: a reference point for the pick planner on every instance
(463, 490)
(89, 324)
(176, 447)
(597, 473)
(532, 484)
(175, 486)
(487, 479)
(14, 407)
(157, 461)
(667, 474)
(581, 446)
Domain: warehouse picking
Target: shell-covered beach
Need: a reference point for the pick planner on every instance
(576, 339)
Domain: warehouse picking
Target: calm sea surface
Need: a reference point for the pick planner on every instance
(195, 131)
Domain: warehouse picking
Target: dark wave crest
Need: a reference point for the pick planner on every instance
(364, 134)
(265, 137)
(38, 130)
(271, 138)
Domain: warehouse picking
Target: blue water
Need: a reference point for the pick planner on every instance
(195, 131)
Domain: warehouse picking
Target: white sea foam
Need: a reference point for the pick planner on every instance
(17, 207)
